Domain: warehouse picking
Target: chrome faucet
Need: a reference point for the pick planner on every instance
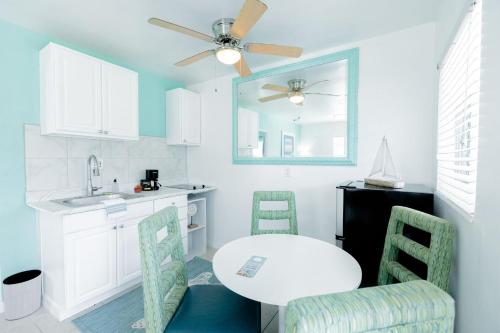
(92, 169)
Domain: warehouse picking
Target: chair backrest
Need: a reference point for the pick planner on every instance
(259, 214)
(437, 256)
(164, 284)
(415, 306)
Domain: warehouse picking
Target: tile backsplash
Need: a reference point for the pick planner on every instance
(56, 167)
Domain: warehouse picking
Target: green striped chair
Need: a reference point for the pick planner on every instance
(415, 306)
(411, 306)
(437, 256)
(274, 215)
(169, 304)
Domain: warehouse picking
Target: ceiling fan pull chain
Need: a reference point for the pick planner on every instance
(215, 76)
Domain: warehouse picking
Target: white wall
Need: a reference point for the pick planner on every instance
(476, 272)
(319, 136)
(396, 98)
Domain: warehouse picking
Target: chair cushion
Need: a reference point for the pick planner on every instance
(214, 308)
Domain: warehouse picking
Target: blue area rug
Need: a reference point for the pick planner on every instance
(126, 313)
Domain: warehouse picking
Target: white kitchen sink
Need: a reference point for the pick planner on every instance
(94, 200)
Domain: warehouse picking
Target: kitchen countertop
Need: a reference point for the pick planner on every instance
(53, 207)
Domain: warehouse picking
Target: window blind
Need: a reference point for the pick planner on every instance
(458, 115)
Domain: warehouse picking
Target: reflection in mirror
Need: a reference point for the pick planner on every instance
(296, 114)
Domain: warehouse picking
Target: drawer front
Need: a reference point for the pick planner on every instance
(86, 220)
(179, 201)
(99, 218)
(137, 210)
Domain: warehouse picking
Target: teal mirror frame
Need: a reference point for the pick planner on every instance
(352, 57)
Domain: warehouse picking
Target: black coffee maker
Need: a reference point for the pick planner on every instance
(151, 182)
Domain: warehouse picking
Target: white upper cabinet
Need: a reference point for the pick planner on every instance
(84, 96)
(248, 129)
(120, 102)
(183, 109)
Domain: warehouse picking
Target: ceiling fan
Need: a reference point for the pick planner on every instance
(228, 34)
(295, 92)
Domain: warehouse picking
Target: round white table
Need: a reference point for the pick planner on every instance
(296, 266)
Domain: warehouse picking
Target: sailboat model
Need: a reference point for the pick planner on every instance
(384, 172)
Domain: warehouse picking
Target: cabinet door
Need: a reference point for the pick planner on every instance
(77, 92)
(120, 109)
(248, 129)
(253, 129)
(90, 259)
(191, 118)
(242, 129)
(129, 257)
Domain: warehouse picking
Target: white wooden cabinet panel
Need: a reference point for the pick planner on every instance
(119, 102)
(90, 261)
(191, 118)
(183, 110)
(179, 201)
(83, 96)
(87, 220)
(76, 92)
(134, 211)
(129, 256)
(248, 129)
(88, 257)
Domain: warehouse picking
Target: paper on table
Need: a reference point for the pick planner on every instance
(252, 266)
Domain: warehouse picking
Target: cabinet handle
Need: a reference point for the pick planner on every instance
(122, 226)
(184, 140)
(114, 227)
(106, 132)
(173, 203)
(99, 131)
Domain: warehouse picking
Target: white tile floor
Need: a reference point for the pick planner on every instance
(43, 322)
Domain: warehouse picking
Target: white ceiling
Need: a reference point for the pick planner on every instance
(118, 28)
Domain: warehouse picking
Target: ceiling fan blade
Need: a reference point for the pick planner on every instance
(178, 28)
(196, 57)
(324, 94)
(278, 50)
(242, 67)
(249, 14)
(313, 84)
(275, 87)
(272, 98)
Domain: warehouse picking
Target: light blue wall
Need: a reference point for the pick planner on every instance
(19, 104)
(274, 125)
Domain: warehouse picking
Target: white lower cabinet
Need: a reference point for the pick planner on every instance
(88, 257)
(129, 257)
(90, 260)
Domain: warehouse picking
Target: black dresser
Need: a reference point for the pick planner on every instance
(363, 213)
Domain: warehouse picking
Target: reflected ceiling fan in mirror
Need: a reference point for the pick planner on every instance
(296, 91)
(228, 34)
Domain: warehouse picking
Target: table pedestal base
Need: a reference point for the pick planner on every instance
(281, 314)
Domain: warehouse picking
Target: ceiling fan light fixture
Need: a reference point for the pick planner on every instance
(296, 97)
(228, 55)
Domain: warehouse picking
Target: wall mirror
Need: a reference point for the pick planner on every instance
(303, 113)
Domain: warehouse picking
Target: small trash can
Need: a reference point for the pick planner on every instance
(22, 294)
